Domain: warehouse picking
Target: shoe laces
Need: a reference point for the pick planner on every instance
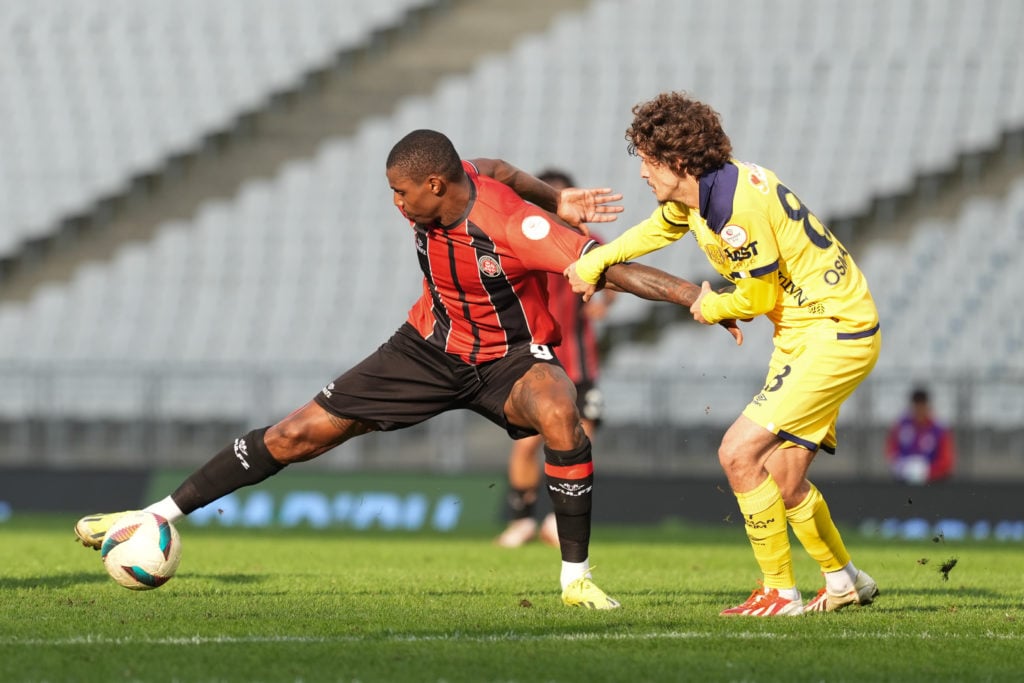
(584, 579)
(762, 596)
(756, 596)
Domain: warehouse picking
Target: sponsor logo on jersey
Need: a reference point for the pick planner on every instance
(794, 290)
(734, 235)
(328, 391)
(489, 266)
(536, 227)
(742, 253)
(421, 245)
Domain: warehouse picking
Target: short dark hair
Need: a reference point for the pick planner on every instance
(919, 395)
(425, 152)
(683, 133)
(554, 175)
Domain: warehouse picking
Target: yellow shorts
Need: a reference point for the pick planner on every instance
(809, 377)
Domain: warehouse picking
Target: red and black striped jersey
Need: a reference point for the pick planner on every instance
(485, 276)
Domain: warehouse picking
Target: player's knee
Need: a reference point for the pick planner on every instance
(562, 412)
(558, 419)
(732, 457)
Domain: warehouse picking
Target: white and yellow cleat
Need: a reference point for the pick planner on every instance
(864, 592)
(584, 593)
(91, 530)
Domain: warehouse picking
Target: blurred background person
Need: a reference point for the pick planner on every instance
(578, 353)
(919, 448)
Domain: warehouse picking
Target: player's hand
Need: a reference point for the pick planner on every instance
(578, 284)
(733, 327)
(578, 205)
(705, 289)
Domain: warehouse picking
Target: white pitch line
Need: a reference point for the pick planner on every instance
(459, 637)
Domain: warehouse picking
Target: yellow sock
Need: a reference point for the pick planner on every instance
(816, 531)
(764, 515)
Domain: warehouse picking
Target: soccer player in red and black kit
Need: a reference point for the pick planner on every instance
(478, 338)
(578, 354)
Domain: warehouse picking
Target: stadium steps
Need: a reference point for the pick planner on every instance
(368, 82)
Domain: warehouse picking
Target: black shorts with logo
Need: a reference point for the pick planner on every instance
(407, 381)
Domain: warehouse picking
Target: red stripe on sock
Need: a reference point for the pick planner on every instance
(569, 471)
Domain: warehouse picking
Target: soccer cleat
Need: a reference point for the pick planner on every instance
(92, 530)
(864, 592)
(766, 603)
(549, 531)
(518, 532)
(583, 593)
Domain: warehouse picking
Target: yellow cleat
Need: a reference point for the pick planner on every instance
(583, 593)
(92, 530)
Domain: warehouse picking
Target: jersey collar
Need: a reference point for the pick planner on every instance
(717, 190)
(465, 214)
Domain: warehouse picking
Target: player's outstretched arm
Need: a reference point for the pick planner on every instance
(657, 285)
(527, 186)
(574, 205)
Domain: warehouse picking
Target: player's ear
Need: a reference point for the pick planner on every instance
(437, 185)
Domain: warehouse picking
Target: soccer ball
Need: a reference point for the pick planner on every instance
(141, 550)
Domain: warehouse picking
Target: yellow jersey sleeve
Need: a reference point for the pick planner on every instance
(752, 297)
(663, 227)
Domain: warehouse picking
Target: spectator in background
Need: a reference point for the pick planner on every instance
(579, 355)
(920, 449)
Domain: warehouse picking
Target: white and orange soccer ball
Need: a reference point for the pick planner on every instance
(141, 550)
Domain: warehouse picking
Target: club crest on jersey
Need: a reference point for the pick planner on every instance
(734, 235)
(489, 266)
(536, 227)
(714, 254)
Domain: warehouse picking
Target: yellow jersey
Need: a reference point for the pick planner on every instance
(756, 233)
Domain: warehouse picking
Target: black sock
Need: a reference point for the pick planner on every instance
(244, 462)
(520, 503)
(570, 476)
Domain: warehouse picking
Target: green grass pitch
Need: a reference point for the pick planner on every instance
(338, 606)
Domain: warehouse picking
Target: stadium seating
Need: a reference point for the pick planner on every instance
(98, 93)
(300, 275)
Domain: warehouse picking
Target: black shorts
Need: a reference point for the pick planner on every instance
(407, 381)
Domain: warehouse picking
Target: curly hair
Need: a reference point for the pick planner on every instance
(680, 132)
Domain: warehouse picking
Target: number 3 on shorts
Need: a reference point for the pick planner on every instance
(777, 380)
(541, 351)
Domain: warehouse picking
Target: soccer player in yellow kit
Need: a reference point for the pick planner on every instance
(786, 265)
